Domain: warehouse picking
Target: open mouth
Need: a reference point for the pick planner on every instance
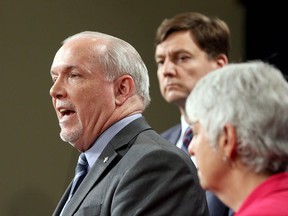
(66, 112)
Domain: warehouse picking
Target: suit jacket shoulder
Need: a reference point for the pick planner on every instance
(135, 175)
(172, 134)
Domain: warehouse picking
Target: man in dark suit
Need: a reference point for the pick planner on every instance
(100, 90)
(188, 46)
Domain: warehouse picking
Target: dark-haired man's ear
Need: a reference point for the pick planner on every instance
(222, 60)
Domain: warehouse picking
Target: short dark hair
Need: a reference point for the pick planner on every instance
(212, 35)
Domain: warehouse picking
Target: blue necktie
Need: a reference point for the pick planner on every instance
(80, 173)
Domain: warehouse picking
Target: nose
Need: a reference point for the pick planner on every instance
(57, 90)
(168, 68)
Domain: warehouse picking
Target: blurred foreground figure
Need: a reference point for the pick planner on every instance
(239, 117)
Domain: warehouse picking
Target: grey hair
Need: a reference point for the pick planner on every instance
(253, 97)
(118, 58)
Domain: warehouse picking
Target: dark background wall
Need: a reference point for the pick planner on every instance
(266, 32)
(35, 165)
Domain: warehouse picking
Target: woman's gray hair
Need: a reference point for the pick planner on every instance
(253, 97)
(117, 57)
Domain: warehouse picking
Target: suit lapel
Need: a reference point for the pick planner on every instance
(172, 134)
(62, 201)
(175, 135)
(118, 146)
(89, 181)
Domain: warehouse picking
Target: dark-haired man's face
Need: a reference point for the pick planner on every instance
(181, 63)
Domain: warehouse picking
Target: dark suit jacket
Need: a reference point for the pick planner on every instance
(216, 207)
(144, 175)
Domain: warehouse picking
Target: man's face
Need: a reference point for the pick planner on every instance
(81, 96)
(181, 63)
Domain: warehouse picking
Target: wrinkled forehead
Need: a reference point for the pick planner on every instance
(74, 52)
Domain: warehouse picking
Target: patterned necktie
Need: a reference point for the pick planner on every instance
(187, 139)
(80, 172)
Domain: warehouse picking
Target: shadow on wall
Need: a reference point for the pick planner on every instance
(31, 202)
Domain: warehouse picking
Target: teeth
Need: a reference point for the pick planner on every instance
(62, 110)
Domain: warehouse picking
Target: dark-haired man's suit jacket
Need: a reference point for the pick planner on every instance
(138, 173)
(216, 207)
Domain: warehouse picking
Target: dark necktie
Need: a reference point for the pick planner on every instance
(80, 172)
(187, 139)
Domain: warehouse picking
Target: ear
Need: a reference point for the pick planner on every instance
(123, 87)
(221, 60)
(228, 141)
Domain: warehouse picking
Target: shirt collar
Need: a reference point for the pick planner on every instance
(102, 141)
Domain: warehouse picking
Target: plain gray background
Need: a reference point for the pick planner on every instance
(36, 166)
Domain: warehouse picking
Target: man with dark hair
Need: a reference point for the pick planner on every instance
(188, 46)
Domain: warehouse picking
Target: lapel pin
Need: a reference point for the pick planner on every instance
(105, 159)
